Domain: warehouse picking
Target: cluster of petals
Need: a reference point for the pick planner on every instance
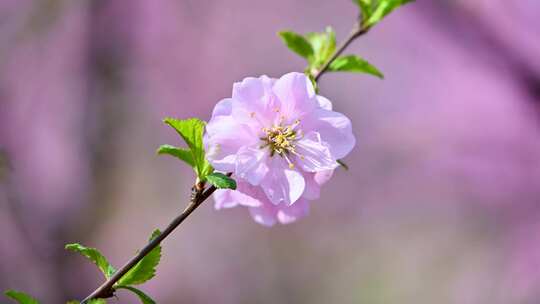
(281, 141)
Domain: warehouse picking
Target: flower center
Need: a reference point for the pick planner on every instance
(281, 140)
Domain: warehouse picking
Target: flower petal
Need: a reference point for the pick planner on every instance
(289, 214)
(313, 189)
(282, 184)
(222, 199)
(335, 130)
(251, 90)
(324, 103)
(251, 164)
(296, 95)
(314, 181)
(264, 215)
(322, 177)
(255, 102)
(244, 195)
(314, 154)
(224, 137)
(223, 107)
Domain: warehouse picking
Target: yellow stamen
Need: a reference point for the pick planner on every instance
(282, 140)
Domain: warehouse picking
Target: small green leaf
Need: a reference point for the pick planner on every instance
(384, 8)
(145, 269)
(374, 11)
(365, 7)
(206, 169)
(180, 153)
(145, 299)
(192, 130)
(20, 297)
(343, 164)
(221, 181)
(297, 43)
(323, 44)
(352, 63)
(95, 256)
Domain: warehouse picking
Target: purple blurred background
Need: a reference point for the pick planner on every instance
(441, 205)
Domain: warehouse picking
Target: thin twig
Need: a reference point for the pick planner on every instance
(357, 31)
(106, 290)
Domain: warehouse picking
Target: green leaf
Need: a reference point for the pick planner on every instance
(180, 153)
(95, 256)
(323, 45)
(374, 11)
(365, 7)
(352, 63)
(297, 43)
(20, 297)
(192, 130)
(221, 181)
(145, 269)
(145, 299)
(384, 8)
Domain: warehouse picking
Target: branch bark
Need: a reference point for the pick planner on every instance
(106, 290)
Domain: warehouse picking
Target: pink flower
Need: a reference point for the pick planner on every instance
(281, 142)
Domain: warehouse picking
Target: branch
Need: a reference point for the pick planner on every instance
(106, 290)
(357, 31)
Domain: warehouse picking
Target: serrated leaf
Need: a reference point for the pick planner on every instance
(95, 256)
(180, 153)
(365, 7)
(145, 269)
(297, 43)
(192, 130)
(145, 299)
(154, 234)
(374, 11)
(221, 181)
(384, 8)
(20, 297)
(352, 63)
(323, 44)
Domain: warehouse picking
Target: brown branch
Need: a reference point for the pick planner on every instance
(106, 290)
(357, 31)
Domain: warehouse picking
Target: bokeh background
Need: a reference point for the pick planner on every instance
(441, 203)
